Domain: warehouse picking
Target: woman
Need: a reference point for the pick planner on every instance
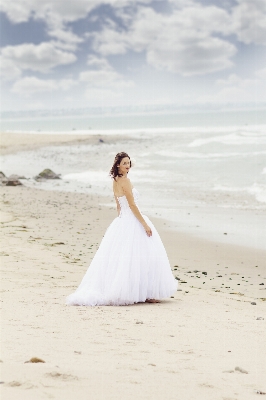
(131, 264)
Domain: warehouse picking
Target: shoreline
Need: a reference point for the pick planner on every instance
(11, 143)
(207, 215)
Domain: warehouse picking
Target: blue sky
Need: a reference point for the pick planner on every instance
(86, 53)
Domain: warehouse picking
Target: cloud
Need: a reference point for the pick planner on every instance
(261, 73)
(31, 85)
(235, 89)
(102, 75)
(182, 42)
(9, 70)
(249, 18)
(66, 37)
(41, 58)
(23, 10)
(103, 84)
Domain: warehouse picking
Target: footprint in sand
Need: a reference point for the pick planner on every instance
(57, 375)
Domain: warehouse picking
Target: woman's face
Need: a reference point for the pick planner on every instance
(124, 165)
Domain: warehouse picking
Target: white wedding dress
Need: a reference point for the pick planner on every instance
(128, 267)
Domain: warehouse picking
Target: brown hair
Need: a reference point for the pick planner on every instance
(118, 158)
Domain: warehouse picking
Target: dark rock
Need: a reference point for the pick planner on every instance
(47, 174)
(12, 181)
(14, 176)
(204, 273)
(261, 283)
(101, 141)
(35, 360)
(253, 303)
(196, 271)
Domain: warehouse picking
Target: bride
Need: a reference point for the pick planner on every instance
(131, 264)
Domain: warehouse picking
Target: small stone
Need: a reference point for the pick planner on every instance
(139, 322)
(204, 273)
(259, 392)
(35, 360)
(253, 303)
(259, 318)
(242, 370)
(225, 233)
(196, 271)
(261, 283)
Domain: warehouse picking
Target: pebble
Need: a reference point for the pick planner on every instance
(253, 303)
(259, 318)
(35, 360)
(259, 392)
(242, 370)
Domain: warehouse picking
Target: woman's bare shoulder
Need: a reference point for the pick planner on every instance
(125, 183)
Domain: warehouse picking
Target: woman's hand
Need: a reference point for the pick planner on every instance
(148, 230)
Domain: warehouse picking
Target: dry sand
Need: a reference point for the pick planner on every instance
(187, 347)
(14, 142)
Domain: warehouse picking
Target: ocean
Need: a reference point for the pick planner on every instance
(204, 173)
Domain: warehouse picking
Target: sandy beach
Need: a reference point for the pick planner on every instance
(206, 342)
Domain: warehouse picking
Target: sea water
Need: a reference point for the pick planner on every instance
(205, 174)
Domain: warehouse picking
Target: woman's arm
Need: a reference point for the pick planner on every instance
(117, 206)
(126, 185)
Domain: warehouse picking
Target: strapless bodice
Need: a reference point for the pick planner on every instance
(125, 209)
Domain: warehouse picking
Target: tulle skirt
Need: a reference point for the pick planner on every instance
(128, 267)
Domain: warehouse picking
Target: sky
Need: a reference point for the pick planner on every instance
(66, 54)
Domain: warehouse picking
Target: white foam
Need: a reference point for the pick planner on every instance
(176, 154)
(257, 190)
(88, 176)
(232, 139)
(256, 130)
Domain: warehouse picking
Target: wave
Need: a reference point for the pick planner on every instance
(244, 138)
(176, 154)
(257, 190)
(88, 176)
(256, 130)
